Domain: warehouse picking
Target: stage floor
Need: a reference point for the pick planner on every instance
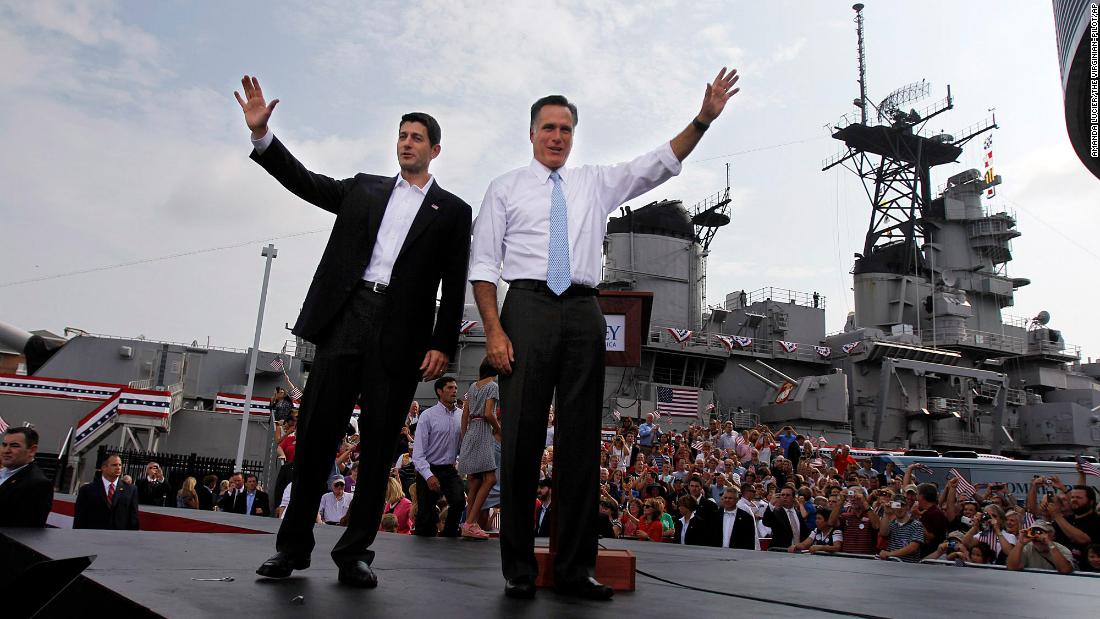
(454, 578)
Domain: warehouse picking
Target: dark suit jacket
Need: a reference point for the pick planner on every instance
(710, 513)
(782, 536)
(743, 535)
(26, 498)
(238, 503)
(93, 511)
(435, 250)
(206, 497)
(794, 454)
(159, 494)
(544, 529)
(698, 533)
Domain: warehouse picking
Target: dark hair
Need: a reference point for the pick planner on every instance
(552, 100)
(688, 501)
(100, 462)
(696, 479)
(434, 132)
(928, 492)
(235, 473)
(486, 369)
(209, 478)
(443, 381)
(1089, 491)
(253, 476)
(986, 551)
(30, 435)
(824, 513)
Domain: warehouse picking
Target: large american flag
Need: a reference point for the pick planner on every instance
(678, 401)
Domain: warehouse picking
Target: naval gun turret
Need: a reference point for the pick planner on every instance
(821, 398)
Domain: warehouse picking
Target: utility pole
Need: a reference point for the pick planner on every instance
(268, 252)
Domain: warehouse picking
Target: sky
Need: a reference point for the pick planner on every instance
(122, 143)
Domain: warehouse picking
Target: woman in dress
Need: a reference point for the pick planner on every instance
(476, 460)
(187, 497)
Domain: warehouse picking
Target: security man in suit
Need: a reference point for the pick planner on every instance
(787, 524)
(26, 495)
(371, 311)
(107, 502)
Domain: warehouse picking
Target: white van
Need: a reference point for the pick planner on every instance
(1015, 474)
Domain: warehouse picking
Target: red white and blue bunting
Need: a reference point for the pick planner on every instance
(823, 351)
(849, 347)
(466, 326)
(235, 403)
(126, 402)
(680, 335)
(57, 387)
(787, 346)
(726, 341)
(742, 341)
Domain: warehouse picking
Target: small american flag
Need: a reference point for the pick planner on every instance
(923, 468)
(617, 415)
(656, 416)
(295, 393)
(3, 425)
(1087, 467)
(965, 488)
(710, 407)
(277, 364)
(678, 401)
(697, 445)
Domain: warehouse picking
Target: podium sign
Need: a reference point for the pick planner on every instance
(626, 313)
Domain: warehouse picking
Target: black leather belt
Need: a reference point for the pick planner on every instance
(537, 285)
(374, 287)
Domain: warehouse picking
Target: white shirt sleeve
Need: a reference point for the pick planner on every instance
(261, 144)
(487, 250)
(623, 182)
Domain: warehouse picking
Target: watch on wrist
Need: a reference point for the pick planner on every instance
(699, 125)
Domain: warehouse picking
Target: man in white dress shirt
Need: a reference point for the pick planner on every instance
(541, 228)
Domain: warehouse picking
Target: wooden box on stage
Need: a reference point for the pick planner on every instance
(614, 568)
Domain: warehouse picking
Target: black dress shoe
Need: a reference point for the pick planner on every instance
(589, 589)
(282, 564)
(521, 587)
(358, 574)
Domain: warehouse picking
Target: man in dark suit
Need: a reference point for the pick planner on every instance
(737, 528)
(542, 508)
(206, 492)
(107, 502)
(248, 500)
(787, 525)
(370, 310)
(26, 495)
(691, 528)
(154, 489)
(706, 508)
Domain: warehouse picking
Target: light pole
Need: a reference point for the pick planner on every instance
(268, 252)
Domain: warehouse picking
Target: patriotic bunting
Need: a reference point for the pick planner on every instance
(788, 346)
(823, 351)
(680, 335)
(726, 341)
(848, 348)
(466, 326)
(742, 341)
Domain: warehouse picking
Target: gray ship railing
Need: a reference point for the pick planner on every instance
(779, 295)
(995, 341)
(145, 339)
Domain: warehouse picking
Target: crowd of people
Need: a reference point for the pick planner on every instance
(708, 486)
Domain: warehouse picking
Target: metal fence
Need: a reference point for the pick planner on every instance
(178, 467)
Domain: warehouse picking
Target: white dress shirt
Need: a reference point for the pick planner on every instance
(107, 484)
(513, 225)
(757, 513)
(728, 518)
(332, 509)
(6, 473)
(402, 208)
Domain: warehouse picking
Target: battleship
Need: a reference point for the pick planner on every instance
(928, 360)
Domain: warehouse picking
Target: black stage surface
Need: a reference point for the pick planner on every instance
(454, 578)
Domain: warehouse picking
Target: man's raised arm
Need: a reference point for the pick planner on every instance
(714, 101)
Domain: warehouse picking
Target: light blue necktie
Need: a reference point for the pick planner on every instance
(558, 273)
